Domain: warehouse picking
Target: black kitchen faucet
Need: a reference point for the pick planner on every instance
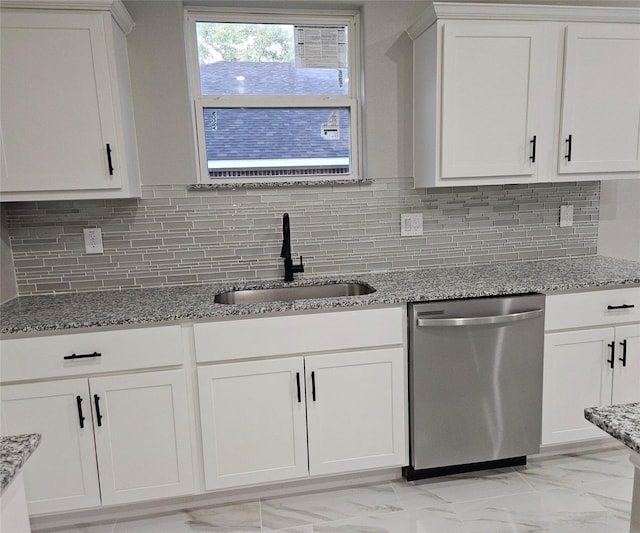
(289, 268)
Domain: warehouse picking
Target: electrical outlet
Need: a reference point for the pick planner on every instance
(93, 240)
(410, 224)
(566, 215)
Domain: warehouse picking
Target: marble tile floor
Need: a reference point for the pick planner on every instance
(588, 492)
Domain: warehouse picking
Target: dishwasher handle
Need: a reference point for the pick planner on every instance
(480, 320)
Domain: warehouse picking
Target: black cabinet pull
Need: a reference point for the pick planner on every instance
(623, 306)
(96, 401)
(313, 386)
(532, 157)
(298, 384)
(82, 356)
(109, 159)
(612, 347)
(569, 141)
(624, 352)
(80, 414)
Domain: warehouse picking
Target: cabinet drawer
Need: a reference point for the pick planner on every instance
(583, 309)
(44, 357)
(298, 334)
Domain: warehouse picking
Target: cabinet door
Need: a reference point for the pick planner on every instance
(61, 474)
(626, 376)
(601, 99)
(490, 77)
(142, 436)
(58, 114)
(253, 422)
(576, 375)
(356, 410)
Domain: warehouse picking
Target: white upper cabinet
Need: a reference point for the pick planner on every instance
(67, 121)
(489, 97)
(500, 89)
(601, 99)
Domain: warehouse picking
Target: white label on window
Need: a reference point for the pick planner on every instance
(321, 47)
(331, 128)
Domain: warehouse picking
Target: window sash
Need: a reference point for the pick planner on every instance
(234, 102)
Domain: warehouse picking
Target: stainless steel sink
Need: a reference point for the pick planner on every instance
(285, 294)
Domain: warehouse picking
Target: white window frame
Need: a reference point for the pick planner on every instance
(352, 101)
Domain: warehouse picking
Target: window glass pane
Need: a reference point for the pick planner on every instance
(268, 142)
(272, 59)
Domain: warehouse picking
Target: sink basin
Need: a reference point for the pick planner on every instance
(285, 294)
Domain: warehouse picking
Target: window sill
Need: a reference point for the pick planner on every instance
(268, 184)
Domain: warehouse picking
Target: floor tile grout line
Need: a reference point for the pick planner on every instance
(577, 489)
(355, 516)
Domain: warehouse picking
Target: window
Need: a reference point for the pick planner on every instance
(275, 95)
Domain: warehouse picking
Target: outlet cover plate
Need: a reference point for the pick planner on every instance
(566, 216)
(93, 240)
(410, 224)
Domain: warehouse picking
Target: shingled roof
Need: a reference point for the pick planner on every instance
(222, 77)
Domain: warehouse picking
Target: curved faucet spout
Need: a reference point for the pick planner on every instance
(286, 237)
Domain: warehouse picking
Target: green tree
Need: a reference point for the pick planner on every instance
(257, 43)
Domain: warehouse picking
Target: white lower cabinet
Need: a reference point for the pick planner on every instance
(588, 366)
(575, 377)
(253, 422)
(142, 442)
(292, 417)
(626, 377)
(141, 448)
(63, 474)
(281, 397)
(355, 410)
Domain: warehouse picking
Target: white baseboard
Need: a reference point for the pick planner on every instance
(579, 447)
(44, 523)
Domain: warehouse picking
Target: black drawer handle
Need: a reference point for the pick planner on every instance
(298, 385)
(80, 414)
(82, 356)
(109, 160)
(96, 400)
(313, 386)
(612, 347)
(569, 142)
(532, 157)
(623, 306)
(624, 352)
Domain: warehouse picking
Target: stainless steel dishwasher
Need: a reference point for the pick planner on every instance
(475, 383)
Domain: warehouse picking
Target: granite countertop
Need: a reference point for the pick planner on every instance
(619, 421)
(14, 452)
(25, 315)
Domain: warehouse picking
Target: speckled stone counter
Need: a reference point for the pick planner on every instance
(14, 452)
(30, 314)
(623, 423)
(619, 421)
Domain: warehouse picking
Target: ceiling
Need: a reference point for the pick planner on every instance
(355, 3)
